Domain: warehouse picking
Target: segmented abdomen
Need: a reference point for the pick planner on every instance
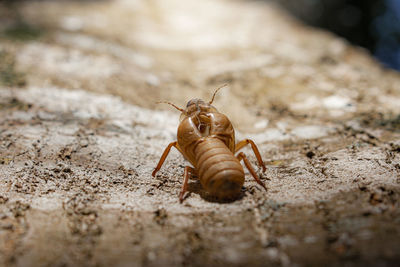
(220, 172)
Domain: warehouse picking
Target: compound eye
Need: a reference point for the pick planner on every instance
(193, 101)
(182, 117)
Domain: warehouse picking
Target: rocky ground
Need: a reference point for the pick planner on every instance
(80, 134)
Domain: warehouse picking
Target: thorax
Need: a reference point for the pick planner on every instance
(197, 128)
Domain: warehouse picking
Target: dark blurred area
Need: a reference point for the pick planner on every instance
(373, 24)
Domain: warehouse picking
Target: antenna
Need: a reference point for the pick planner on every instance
(212, 99)
(169, 103)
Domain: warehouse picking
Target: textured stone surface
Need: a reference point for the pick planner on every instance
(80, 134)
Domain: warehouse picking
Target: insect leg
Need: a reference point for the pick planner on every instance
(245, 142)
(164, 156)
(242, 156)
(185, 181)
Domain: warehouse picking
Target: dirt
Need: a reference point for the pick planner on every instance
(80, 134)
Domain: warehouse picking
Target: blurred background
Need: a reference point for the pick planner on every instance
(373, 24)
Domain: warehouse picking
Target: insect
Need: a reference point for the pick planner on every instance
(206, 139)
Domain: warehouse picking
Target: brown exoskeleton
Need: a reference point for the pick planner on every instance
(206, 139)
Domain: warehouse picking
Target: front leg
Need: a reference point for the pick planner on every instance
(164, 156)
